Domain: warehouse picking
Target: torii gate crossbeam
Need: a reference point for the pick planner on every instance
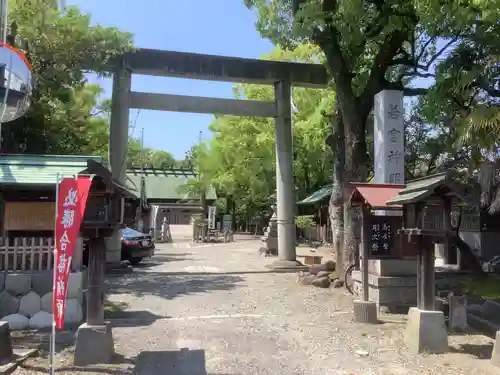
(226, 69)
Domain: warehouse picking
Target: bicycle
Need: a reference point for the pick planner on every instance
(349, 285)
(348, 282)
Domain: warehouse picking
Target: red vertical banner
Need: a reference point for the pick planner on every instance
(71, 201)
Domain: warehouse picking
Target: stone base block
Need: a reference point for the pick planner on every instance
(365, 311)
(392, 267)
(495, 356)
(395, 293)
(94, 344)
(287, 266)
(426, 331)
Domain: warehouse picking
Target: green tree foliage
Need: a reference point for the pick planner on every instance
(68, 115)
(374, 45)
(138, 156)
(61, 47)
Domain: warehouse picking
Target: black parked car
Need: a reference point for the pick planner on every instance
(136, 245)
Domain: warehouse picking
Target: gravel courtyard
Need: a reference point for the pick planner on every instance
(198, 310)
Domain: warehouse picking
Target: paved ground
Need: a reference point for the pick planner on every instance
(215, 310)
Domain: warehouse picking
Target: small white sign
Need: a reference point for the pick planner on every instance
(211, 217)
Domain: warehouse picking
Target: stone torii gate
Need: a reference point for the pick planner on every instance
(226, 69)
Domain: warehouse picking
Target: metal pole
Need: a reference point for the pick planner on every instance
(141, 157)
(53, 333)
(419, 275)
(285, 185)
(4, 104)
(6, 20)
(366, 239)
(4, 6)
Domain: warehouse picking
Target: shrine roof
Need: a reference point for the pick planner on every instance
(96, 168)
(422, 188)
(318, 196)
(40, 170)
(164, 183)
(375, 195)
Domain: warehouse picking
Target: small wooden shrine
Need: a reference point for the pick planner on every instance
(426, 220)
(425, 202)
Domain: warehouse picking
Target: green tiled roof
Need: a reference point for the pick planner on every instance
(421, 188)
(319, 195)
(164, 183)
(40, 169)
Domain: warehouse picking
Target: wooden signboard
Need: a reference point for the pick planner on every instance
(382, 232)
(29, 216)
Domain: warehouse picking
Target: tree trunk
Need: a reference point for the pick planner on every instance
(336, 204)
(355, 112)
(355, 171)
(354, 118)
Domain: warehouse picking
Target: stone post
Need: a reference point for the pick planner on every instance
(285, 184)
(388, 142)
(118, 143)
(76, 263)
(94, 339)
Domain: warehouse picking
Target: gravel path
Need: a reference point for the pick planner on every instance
(215, 310)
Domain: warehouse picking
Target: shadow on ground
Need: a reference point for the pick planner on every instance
(172, 362)
(480, 351)
(119, 365)
(159, 259)
(118, 315)
(40, 339)
(167, 285)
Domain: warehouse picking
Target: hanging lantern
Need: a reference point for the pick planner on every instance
(15, 83)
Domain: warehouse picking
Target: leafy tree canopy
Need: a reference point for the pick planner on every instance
(67, 115)
(372, 45)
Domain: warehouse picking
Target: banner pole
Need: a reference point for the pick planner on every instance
(53, 334)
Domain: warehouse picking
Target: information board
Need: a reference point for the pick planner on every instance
(382, 238)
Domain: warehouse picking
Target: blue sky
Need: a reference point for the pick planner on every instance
(221, 27)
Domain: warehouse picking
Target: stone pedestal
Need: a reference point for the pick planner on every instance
(392, 283)
(458, 313)
(365, 311)
(495, 356)
(426, 331)
(392, 267)
(6, 352)
(76, 262)
(94, 344)
(269, 241)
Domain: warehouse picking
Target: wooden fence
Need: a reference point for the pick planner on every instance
(26, 254)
